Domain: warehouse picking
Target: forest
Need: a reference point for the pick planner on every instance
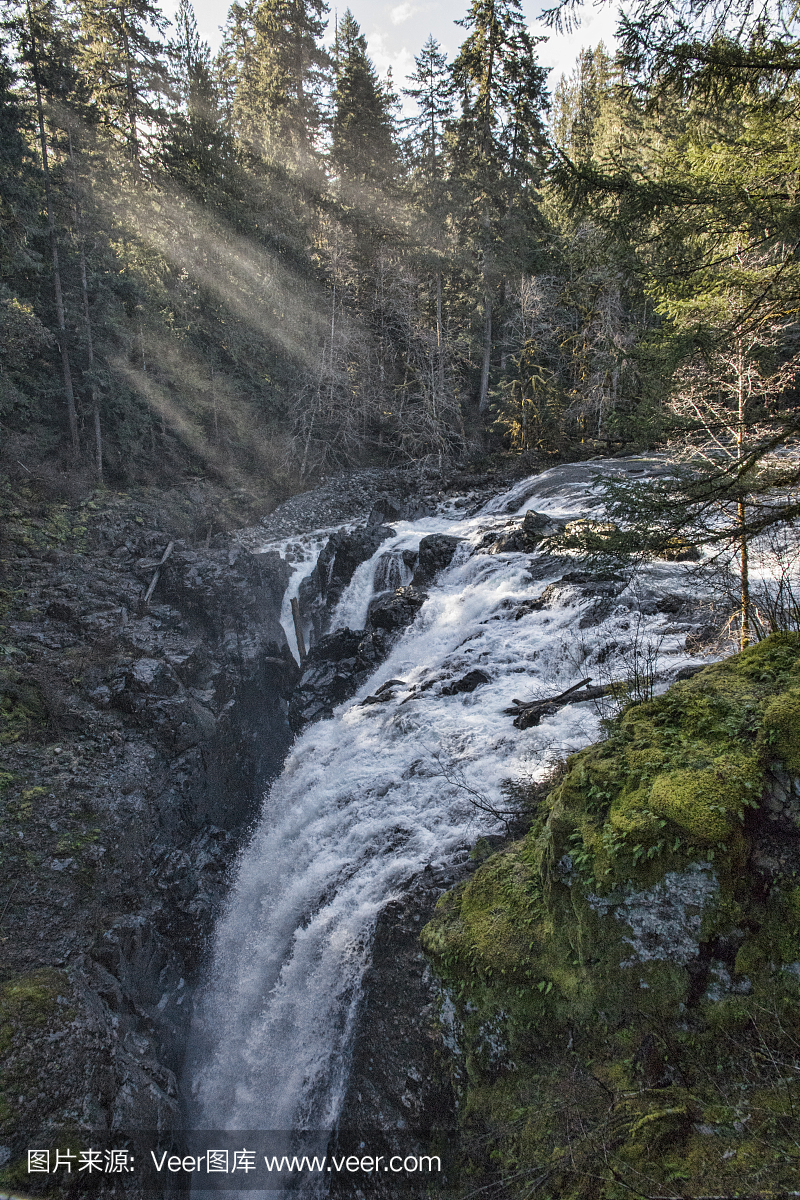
(250, 266)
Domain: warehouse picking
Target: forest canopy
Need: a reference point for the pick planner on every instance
(251, 264)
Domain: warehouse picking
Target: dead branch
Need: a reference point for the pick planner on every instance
(528, 713)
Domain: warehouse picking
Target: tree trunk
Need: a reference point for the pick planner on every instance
(98, 434)
(51, 229)
(744, 581)
(439, 336)
(744, 566)
(130, 94)
(483, 399)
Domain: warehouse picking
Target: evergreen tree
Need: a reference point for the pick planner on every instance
(198, 149)
(236, 68)
(433, 93)
(42, 43)
(293, 68)
(125, 69)
(362, 136)
(579, 101)
(497, 150)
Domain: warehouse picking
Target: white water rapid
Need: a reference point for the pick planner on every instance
(370, 798)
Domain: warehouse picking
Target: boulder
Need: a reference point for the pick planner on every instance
(393, 612)
(435, 553)
(522, 538)
(333, 671)
(467, 683)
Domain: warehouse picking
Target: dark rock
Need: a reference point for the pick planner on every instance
(680, 550)
(384, 693)
(333, 671)
(386, 508)
(537, 523)
(435, 553)
(672, 604)
(59, 611)
(389, 685)
(171, 724)
(690, 672)
(467, 683)
(394, 612)
(151, 675)
(522, 538)
(391, 507)
(342, 553)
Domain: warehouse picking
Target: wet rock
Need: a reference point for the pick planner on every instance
(343, 552)
(435, 553)
(384, 693)
(467, 683)
(149, 747)
(394, 612)
(333, 671)
(573, 588)
(521, 538)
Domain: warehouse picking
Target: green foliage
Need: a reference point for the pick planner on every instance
(624, 981)
(362, 145)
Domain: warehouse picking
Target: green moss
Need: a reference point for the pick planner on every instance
(594, 1039)
(782, 728)
(708, 804)
(27, 1002)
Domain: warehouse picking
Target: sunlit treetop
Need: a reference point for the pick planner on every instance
(702, 48)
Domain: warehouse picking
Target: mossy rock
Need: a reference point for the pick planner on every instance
(27, 1002)
(627, 977)
(782, 728)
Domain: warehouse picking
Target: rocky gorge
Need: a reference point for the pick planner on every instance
(143, 723)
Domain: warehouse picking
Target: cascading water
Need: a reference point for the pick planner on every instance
(370, 798)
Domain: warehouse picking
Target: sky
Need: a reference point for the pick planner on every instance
(396, 31)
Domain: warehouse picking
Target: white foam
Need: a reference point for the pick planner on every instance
(371, 797)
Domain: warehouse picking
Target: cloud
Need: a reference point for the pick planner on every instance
(402, 12)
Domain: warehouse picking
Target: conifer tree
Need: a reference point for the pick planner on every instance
(41, 25)
(496, 147)
(125, 69)
(198, 148)
(433, 93)
(362, 136)
(293, 68)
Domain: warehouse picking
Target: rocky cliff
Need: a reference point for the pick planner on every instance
(138, 736)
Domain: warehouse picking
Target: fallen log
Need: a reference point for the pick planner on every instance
(154, 580)
(519, 705)
(528, 713)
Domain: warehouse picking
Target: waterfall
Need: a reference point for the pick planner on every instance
(372, 797)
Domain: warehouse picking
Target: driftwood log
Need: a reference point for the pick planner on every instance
(528, 713)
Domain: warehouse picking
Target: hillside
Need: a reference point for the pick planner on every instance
(623, 982)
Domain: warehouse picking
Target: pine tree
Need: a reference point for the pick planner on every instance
(126, 70)
(433, 94)
(198, 149)
(293, 68)
(48, 69)
(362, 136)
(496, 148)
(579, 101)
